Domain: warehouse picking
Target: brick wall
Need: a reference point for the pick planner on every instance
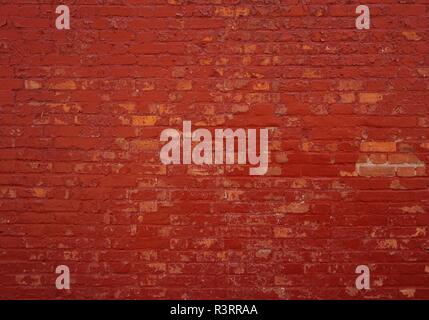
(82, 185)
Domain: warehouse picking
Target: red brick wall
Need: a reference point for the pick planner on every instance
(82, 185)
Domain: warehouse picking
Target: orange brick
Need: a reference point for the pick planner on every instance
(411, 35)
(184, 85)
(378, 146)
(39, 192)
(347, 97)
(144, 120)
(310, 73)
(261, 86)
(141, 145)
(370, 97)
(65, 85)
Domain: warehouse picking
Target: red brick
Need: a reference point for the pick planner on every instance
(81, 182)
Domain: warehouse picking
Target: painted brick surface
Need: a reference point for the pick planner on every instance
(82, 185)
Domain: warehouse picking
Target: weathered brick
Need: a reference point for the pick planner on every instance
(32, 84)
(81, 182)
(376, 170)
(370, 97)
(144, 120)
(375, 146)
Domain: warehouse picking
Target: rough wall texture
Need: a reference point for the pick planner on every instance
(82, 185)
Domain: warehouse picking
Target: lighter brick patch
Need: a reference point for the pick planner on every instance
(184, 85)
(263, 253)
(387, 244)
(378, 146)
(39, 192)
(387, 162)
(370, 97)
(409, 293)
(282, 232)
(148, 206)
(299, 183)
(411, 35)
(142, 145)
(65, 85)
(144, 120)
(232, 11)
(413, 209)
(297, 207)
(32, 85)
(424, 72)
(130, 107)
(294, 207)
